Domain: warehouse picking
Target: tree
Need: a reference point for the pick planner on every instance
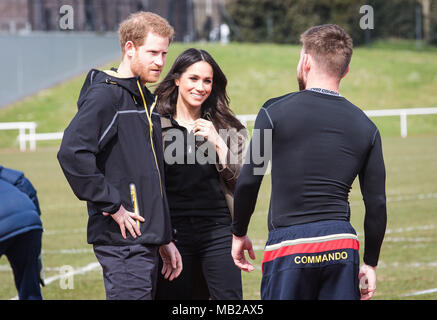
(282, 21)
(426, 13)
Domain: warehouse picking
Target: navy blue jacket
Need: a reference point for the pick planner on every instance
(19, 207)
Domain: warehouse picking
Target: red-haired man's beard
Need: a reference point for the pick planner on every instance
(146, 73)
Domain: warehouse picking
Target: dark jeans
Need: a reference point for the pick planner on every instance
(22, 252)
(129, 272)
(208, 268)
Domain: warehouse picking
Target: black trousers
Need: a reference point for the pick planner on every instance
(208, 271)
(22, 252)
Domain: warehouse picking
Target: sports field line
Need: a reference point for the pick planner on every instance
(90, 267)
(419, 196)
(53, 232)
(259, 244)
(409, 265)
(408, 197)
(408, 229)
(68, 251)
(418, 293)
(390, 198)
(7, 268)
(409, 239)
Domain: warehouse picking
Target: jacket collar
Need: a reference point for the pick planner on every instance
(130, 84)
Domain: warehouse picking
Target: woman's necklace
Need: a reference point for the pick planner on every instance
(189, 126)
(187, 122)
(181, 121)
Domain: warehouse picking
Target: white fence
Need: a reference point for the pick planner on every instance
(402, 113)
(32, 136)
(22, 136)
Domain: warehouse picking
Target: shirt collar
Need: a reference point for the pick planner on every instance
(325, 91)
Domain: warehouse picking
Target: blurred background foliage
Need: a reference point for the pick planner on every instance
(282, 21)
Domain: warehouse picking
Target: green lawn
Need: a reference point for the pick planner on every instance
(382, 77)
(408, 258)
(391, 76)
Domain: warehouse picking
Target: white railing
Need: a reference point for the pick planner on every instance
(43, 136)
(402, 113)
(32, 137)
(22, 127)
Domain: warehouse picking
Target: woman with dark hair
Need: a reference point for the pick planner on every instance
(201, 169)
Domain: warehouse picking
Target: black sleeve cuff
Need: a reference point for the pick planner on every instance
(238, 231)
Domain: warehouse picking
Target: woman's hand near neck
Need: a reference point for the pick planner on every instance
(190, 118)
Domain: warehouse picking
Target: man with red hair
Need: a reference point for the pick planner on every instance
(111, 155)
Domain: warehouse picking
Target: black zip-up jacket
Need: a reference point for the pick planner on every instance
(114, 141)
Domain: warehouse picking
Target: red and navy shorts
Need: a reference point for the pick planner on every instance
(313, 261)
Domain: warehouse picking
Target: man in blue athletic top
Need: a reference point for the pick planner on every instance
(320, 142)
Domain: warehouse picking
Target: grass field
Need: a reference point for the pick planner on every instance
(381, 77)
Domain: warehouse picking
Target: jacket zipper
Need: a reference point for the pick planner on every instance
(149, 118)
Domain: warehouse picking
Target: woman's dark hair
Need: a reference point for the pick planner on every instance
(217, 104)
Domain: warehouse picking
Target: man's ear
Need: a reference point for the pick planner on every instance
(307, 62)
(346, 72)
(129, 49)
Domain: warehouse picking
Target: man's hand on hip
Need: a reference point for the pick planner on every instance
(126, 220)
